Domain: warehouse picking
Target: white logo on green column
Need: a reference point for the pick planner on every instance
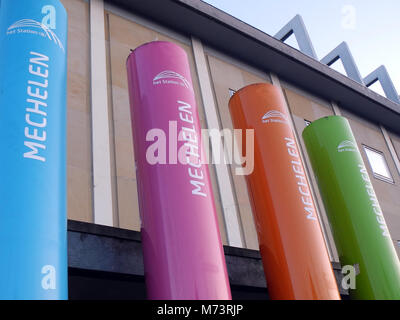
(347, 145)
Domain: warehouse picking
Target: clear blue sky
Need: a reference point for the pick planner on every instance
(370, 27)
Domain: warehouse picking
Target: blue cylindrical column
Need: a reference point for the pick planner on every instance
(33, 230)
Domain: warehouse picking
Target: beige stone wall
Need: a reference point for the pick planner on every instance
(79, 149)
(227, 75)
(306, 107)
(126, 33)
(369, 134)
(122, 35)
(396, 143)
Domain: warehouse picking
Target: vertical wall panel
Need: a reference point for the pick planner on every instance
(79, 148)
(102, 189)
(225, 188)
(396, 143)
(303, 107)
(225, 76)
(123, 35)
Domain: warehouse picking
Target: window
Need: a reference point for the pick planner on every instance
(307, 122)
(231, 92)
(378, 164)
(398, 243)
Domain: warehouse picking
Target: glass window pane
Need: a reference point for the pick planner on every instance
(378, 163)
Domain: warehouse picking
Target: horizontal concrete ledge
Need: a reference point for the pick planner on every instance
(106, 231)
(106, 249)
(244, 42)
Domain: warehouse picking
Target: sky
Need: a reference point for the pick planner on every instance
(371, 28)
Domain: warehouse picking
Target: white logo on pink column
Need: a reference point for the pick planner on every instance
(171, 77)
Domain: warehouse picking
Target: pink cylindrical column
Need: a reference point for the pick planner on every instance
(183, 254)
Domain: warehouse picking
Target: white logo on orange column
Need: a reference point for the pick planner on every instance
(274, 116)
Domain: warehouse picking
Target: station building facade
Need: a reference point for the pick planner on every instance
(225, 54)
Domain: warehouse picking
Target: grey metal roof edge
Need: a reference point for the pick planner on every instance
(242, 41)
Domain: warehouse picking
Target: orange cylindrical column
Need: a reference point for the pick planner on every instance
(295, 258)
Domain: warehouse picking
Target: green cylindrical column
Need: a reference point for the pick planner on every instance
(359, 228)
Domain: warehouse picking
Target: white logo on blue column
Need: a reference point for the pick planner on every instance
(29, 26)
